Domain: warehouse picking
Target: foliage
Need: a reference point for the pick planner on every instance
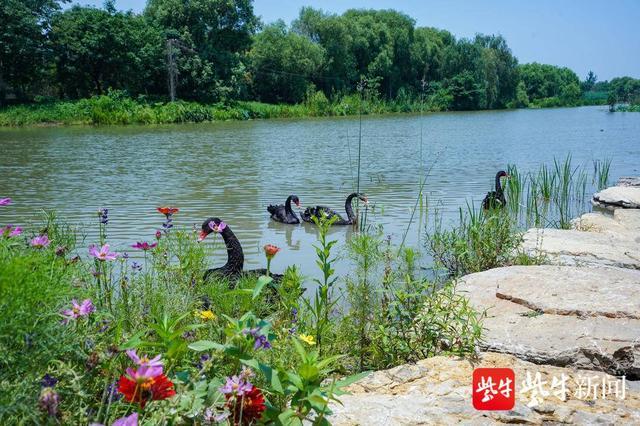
(548, 85)
(218, 52)
(481, 241)
(100, 49)
(23, 54)
(283, 63)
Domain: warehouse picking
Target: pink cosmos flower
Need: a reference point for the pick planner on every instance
(77, 310)
(143, 373)
(144, 361)
(5, 201)
(102, 254)
(236, 385)
(143, 245)
(131, 420)
(11, 231)
(40, 241)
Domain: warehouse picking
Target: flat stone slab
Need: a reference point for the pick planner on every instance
(438, 391)
(628, 181)
(574, 247)
(625, 222)
(627, 197)
(584, 317)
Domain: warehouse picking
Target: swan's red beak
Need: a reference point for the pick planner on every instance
(202, 236)
(298, 204)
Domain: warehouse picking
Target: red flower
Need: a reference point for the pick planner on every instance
(247, 408)
(270, 250)
(157, 388)
(168, 210)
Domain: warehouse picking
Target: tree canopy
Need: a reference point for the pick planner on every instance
(218, 50)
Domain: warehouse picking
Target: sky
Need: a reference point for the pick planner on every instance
(584, 35)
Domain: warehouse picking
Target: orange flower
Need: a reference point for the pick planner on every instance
(270, 250)
(168, 210)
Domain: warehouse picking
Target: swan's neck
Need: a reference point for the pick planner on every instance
(498, 185)
(349, 208)
(287, 205)
(235, 256)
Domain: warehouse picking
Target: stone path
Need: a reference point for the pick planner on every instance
(437, 391)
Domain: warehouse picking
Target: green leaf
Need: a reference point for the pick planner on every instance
(295, 380)
(206, 345)
(300, 350)
(269, 373)
(263, 280)
(318, 401)
(289, 418)
(346, 381)
(133, 342)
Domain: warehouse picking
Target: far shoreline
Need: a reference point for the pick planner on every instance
(50, 115)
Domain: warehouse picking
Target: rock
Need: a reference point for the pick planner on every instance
(584, 317)
(573, 247)
(628, 181)
(420, 400)
(624, 221)
(627, 197)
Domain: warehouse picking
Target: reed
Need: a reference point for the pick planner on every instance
(601, 170)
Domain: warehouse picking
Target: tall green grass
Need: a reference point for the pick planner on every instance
(553, 196)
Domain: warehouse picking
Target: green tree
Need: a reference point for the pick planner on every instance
(625, 89)
(283, 64)
(23, 45)
(213, 35)
(549, 85)
(521, 100)
(97, 49)
(589, 82)
(427, 53)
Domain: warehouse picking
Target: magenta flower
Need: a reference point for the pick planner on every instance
(144, 360)
(236, 385)
(102, 254)
(143, 245)
(77, 310)
(10, 231)
(131, 420)
(158, 234)
(5, 201)
(143, 373)
(40, 241)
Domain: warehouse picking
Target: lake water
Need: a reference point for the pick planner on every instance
(233, 170)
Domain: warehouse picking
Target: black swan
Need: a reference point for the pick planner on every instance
(233, 269)
(318, 210)
(283, 212)
(495, 199)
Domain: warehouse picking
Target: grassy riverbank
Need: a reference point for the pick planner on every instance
(116, 108)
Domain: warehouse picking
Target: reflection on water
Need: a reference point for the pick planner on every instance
(233, 170)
